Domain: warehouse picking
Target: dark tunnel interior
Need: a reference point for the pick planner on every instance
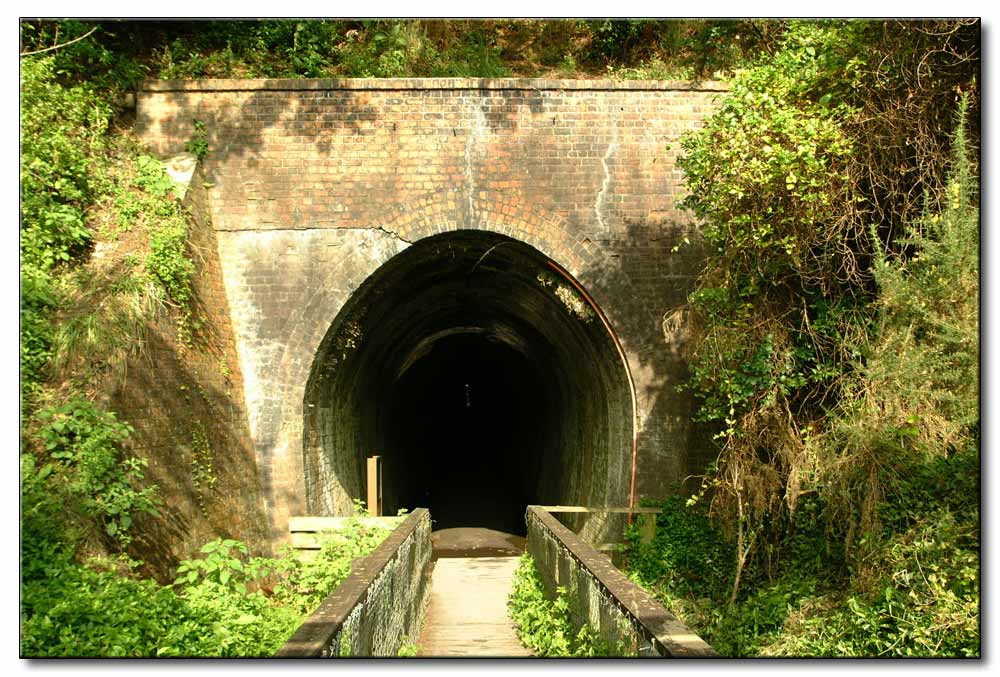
(470, 415)
(483, 379)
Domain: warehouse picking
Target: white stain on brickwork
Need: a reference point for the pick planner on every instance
(477, 131)
(599, 200)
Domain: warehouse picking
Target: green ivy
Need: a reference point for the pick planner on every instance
(686, 555)
(766, 175)
(198, 144)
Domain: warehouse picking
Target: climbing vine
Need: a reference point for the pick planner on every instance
(203, 475)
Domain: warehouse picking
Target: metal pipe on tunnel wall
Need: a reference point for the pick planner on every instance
(628, 372)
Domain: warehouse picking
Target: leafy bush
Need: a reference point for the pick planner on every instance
(914, 411)
(88, 52)
(766, 178)
(304, 583)
(222, 566)
(924, 601)
(61, 128)
(224, 604)
(84, 613)
(855, 508)
(168, 262)
(45, 544)
(792, 297)
(780, 302)
(687, 554)
(86, 444)
(689, 567)
(37, 303)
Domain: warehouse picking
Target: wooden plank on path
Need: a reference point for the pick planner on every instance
(599, 510)
(467, 613)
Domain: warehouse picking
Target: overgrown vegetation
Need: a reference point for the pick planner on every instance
(836, 343)
(836, 350)
(123, 51)
(544, 624)
(224, 603)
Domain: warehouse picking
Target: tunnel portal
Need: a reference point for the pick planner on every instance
(483, 378)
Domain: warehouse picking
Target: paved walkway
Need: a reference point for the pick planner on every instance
(467, 614)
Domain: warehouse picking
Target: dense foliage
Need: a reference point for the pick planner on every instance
(122, 51)
(224, 603)
(836, 344)
(62, 128)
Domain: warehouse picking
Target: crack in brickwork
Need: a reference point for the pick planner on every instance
(599, 200)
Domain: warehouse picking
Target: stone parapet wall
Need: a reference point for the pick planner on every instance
(379, 607)
(623, 614)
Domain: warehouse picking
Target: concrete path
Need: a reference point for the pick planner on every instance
(467, 614)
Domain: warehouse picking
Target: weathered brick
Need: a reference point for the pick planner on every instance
(577, 169)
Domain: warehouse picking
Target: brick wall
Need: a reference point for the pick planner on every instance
(184, 400)
(315, 183)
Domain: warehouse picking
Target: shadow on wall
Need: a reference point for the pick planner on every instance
(654, 274)
(240, 133)
(185, 403)
(189, 424)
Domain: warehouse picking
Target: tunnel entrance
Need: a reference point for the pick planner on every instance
(470, 416)
(484, 379)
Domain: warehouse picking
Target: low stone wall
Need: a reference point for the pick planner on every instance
(621, 612)
(379, 606)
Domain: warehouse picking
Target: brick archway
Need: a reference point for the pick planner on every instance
(554, 415)
(314, 184)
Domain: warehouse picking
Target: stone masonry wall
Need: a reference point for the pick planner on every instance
(315, 183)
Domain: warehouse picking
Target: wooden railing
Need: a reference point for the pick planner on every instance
(305, 531)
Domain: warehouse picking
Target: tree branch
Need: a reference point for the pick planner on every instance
(49, 49)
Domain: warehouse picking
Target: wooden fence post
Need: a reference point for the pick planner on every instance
(375, 486)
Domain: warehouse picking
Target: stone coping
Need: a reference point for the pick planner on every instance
(667, 634)
(381, 84)
(318, 631)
